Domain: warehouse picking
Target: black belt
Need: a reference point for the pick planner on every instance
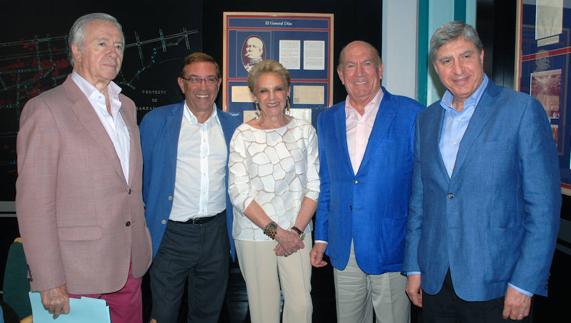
(201, 220)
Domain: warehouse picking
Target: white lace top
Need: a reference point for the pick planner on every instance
(275, 167)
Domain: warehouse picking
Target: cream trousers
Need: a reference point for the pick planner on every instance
(264, 273)
(357, 293)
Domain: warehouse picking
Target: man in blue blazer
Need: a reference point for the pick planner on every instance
(366, 148)
(485, 202)
(189, 215)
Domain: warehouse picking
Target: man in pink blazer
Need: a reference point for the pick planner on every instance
(78, 194)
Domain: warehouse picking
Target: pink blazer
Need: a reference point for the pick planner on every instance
(81, 223)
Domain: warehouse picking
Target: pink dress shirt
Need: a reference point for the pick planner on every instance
(359, 128)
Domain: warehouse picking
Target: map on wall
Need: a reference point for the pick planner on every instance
(36, 60)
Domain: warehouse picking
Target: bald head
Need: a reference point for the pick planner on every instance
(359, 44)
(360, 70)
(254, 48)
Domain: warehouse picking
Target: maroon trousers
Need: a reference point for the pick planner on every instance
(126, 304)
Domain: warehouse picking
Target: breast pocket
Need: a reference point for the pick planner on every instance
(495, 159)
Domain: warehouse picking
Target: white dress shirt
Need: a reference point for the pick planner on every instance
(113, 123)
(199, 189)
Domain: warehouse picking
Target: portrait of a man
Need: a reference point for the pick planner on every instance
(252, 52)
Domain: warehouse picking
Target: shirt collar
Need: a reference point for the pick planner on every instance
(91, 92)
(374, 104)
(190, 117)
(88, 89)
(471, 102)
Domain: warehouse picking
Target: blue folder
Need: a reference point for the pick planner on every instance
(84, 310)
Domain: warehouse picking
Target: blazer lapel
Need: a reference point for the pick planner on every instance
(226, 125)
(383, 120)
(434, 130)
(482, 114)
(87, 116)
(173, 124)
(134, 142)
(341, 130)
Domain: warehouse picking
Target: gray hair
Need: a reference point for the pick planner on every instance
(77, 31)
(452, 31)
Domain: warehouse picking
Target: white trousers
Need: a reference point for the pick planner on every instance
(357, 293)
(264, 273)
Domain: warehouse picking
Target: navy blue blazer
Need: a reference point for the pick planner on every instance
(369, 208)
(495, 220)
(160, 130)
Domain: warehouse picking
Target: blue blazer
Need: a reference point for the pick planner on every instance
(160, 130)
(369, 208)
(495, 220)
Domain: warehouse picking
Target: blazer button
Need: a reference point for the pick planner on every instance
(163, 221)
(170, 197)
(128, 223)
(356, 181)
(129, 191)
(450, 196)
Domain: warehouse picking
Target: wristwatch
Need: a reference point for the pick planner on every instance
(298, 231)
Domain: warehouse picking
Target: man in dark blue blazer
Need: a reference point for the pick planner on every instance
(189, 215)
(485, 204)
(366, 148)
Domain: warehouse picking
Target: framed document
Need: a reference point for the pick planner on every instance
(302, 43)
(543, 53)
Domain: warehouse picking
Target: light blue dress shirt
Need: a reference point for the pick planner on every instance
(455, 124)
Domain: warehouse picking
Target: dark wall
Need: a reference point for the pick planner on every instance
(495, 22)
(358, 19)
(33, 56)
(8, 232)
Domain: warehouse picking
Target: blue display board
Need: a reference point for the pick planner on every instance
(544, 52)
(303, 43)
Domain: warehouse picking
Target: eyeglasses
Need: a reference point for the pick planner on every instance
(210, 80)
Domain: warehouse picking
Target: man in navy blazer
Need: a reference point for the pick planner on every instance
(185, 154)
(485, 204)
(366, 148)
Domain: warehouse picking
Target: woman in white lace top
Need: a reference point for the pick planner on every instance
(274, 186)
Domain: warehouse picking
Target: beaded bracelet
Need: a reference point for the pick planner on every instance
(271, 230)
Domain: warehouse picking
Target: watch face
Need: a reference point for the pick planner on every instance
(299, 232)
